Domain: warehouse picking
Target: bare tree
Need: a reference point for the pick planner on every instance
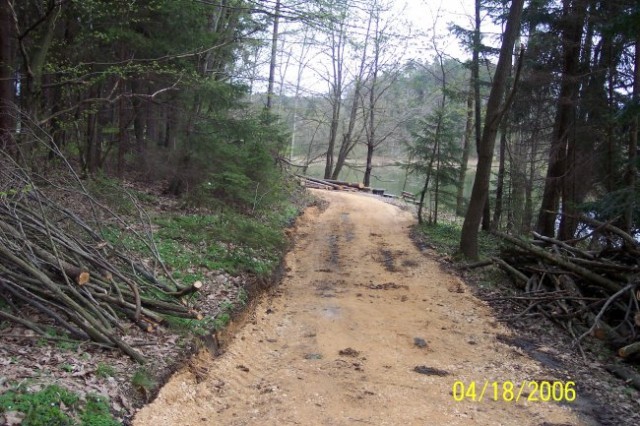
(337, 40)
(274, 55)
(386, 63)
(349, 138)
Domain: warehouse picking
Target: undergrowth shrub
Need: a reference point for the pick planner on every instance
(56, 406)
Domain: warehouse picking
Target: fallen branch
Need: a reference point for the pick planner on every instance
(58, 270)
(557, 260)
(519, 276)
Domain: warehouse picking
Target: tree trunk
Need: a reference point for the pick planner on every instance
(369, 168)
(274, 52)
(337, 51)
(475, 71)
(437, 189)
(37, 60)
(371, 134)
(497, 212)
(571, 37)
(495, 111)
(304, 49)
(517, 170)
(333, 134)
(527, 220)
(632, 170)
(123, 137)
(94, 148)
(348, 139)
(139, 130)
(434, 154)
(7, 122)
(466, 145)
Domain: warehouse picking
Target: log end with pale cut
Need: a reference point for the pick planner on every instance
(83, 278)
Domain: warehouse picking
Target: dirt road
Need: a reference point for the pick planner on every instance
(339, 341)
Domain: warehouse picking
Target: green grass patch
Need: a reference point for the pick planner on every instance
(105, 370)
(222, 320)
(228, 241)
(96, 412)
(56, 406)
(445, 237)
(143, 380)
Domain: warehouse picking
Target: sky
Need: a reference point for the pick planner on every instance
(416, 20)
(426, 15)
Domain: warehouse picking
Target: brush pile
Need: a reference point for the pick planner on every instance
(590, 285)
(67, 277)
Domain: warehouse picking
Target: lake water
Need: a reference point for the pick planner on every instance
(392, 178)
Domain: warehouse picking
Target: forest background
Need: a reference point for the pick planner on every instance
(210, 95)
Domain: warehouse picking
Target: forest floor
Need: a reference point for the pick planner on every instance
(367, 328)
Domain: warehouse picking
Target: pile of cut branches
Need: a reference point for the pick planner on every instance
(588, 285)
(59, 272)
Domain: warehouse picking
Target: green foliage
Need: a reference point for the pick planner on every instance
(243, 297)
(445, 237)
(124, 239)
(96, 412)
(67, 367)
(228, 241)
(70, 345)
(40, 408)
(222, 320)
(612, 206)
(236, 163)
(56, 406)
(143, 380)
(202, 327)
(436, 153)
(105, 370)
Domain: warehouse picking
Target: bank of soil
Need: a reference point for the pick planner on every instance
(364, 328)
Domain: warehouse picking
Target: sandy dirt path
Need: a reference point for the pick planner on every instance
(335, 343)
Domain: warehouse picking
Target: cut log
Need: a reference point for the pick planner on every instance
(196, 286)
(625, 373)
(408, 196)
(78, 275)
(356, 185)
(627, 351)
(314, 185)
(603, 331)
(320, 181)
(81, 278)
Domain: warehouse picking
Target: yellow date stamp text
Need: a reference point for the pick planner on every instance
(508, 391)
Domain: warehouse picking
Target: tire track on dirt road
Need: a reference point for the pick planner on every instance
(337, 342)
